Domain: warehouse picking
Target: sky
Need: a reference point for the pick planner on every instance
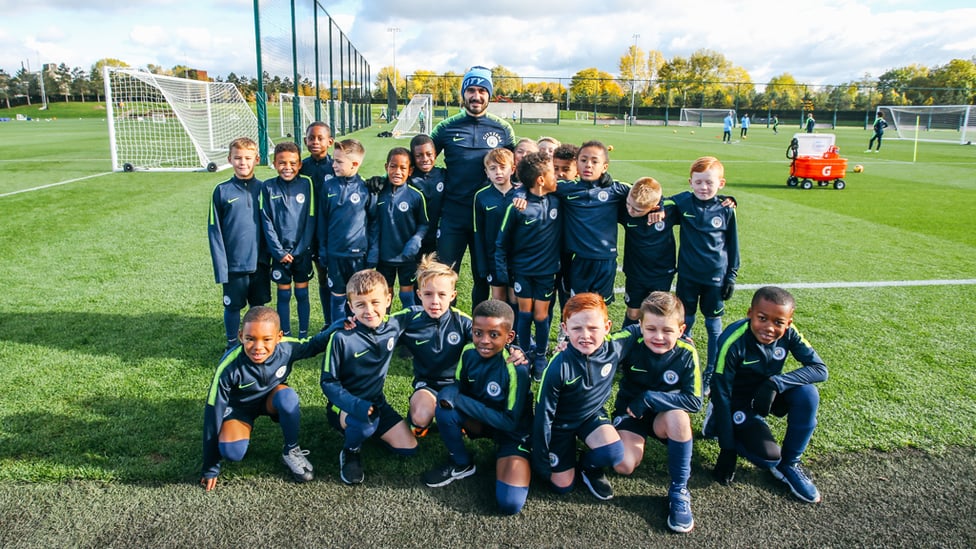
(825, 42)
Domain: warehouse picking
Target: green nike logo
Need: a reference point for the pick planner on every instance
(631, 225)
(458, 138)
(381, 203)
(639, 370)
(522, 448)
(686, 214)
(422, 342)
(490, 208)
(572, 197)
(744, 362)
(232, 200)
(246, 386)
(718, 311)
(548, 295)
(332, 195)
(357, 355)
(275, 196)
(530, 221)
(574, 380)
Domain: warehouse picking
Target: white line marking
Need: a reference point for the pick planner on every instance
(874, 284)
(54, 184)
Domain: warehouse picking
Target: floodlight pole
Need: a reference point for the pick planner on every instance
(633, 83)
(394, 30)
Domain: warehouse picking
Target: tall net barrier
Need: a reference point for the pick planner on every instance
(310, 71)
(169, 124)
(936, 123)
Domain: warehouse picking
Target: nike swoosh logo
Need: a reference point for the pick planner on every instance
(571, 197)
(631, 225)
(686, 214)
(490, 208)
(246, 386)
(744, 362)
(718, 311)
(275, 197)
(458, 139)
(574, 380)
(381, 203)
(522, 448)
(422, 342)
(639, 370)
(332, 195)
(357, 355)
(232, 200)
(530, 221)
(548, 295)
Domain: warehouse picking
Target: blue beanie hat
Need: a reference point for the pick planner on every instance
(478, 76)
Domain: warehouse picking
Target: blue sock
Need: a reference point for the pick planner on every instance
(449, 422)
(232, 323)
(234, 451)
(338, 307)
(289, 416)
(801, 420)
(523, 328)
(407, 299)
(604, 456)
(304, 310)
(541, 336)
(630, 321)
(284, 309)
(679, 462)
(325, 298)
(510, 498)
(713, 326)
(357, 432)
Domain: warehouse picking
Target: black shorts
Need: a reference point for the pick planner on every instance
(299, 270)
(562, 444)
(643, 427)
(593, 275)
(247, 413)
(388, 417)
(249, 289)
(636, 290)
(433, 385)
(406, 274)
(539, 288)
(692, 294)
(341, 270)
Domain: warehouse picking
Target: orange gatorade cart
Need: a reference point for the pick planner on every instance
(815, 158)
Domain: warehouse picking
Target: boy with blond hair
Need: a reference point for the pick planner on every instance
(237, 250)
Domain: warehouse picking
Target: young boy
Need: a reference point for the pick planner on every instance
(430, 180)
(288, 225)
(727, 124)
(564, 161)
(490, 398)
(347, 230)
(570, 404)
(354, 372)
(660, 386)
(490, 204)
(402, 222)
(649, 249)
(749, 384)
(251, 381)
(317, 166)
(240, 258)
(547, 145)
(590, 226)
(523, 147)
(528, 246)
(708, 251)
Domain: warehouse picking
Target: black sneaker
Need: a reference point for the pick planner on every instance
(596, 480)
(446, 474)
(298, 464)
(350, 467)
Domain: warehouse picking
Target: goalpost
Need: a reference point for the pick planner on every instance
(700, 117)
(415, 118)
(172, 124)
(306, 106)
(935, 123)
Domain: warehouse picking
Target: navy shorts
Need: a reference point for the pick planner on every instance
(539, 288)
(643, 427)
(299, 270)
(636, 291)
(249, 412)
(388, 417)
(593, 275)
(433, 385)
(249, 289)
(406, 274)
(692, 294)
(341, 270)
(562, 444)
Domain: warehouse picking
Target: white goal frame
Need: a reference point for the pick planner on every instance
(162, 123)
(409, 122)
(933, 123)
(699, 117)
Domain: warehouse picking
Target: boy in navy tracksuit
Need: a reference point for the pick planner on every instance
(430, 180)
(237, 249)
(490, 398)
(346, 230)
(490, 204)
(251, 381)
(649, 249)
(402, 223)
(708, 255)
(288, 225)
(570, 405)
(750, 383)
(661, 385)
(318, 165)
(354, 372)
(528, 247)
(590, 225)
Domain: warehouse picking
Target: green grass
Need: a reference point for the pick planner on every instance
(111, 324)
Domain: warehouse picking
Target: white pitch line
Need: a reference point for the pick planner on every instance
(54, 184)
(871, 284)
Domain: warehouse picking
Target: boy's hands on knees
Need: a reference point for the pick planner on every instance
(208, 483)
(762, 400)
(724, 471)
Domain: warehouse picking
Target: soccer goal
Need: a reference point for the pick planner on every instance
(287, 103)
(172, 124)
(580, 115)
(701, 117)
(936, 123)
(415, 118)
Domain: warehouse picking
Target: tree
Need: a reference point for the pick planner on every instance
(633, 69)
(783, 92)
(97, 82)
(80, 84)
(957, 80)
(595, 86)
(507, 83)
(384, 74)
(5, 91)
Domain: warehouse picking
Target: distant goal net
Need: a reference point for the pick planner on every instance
(415, 118)
(172, 124)
(526, 113)
(936, 123)
(701, 117)
(331, 112)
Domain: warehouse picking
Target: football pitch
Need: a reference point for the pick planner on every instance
(110, 329)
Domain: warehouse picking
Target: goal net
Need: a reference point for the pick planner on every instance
(164, 123)
(582, 115)
(936, 123)
(701, 117)
(287, 104)
(415, 119)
